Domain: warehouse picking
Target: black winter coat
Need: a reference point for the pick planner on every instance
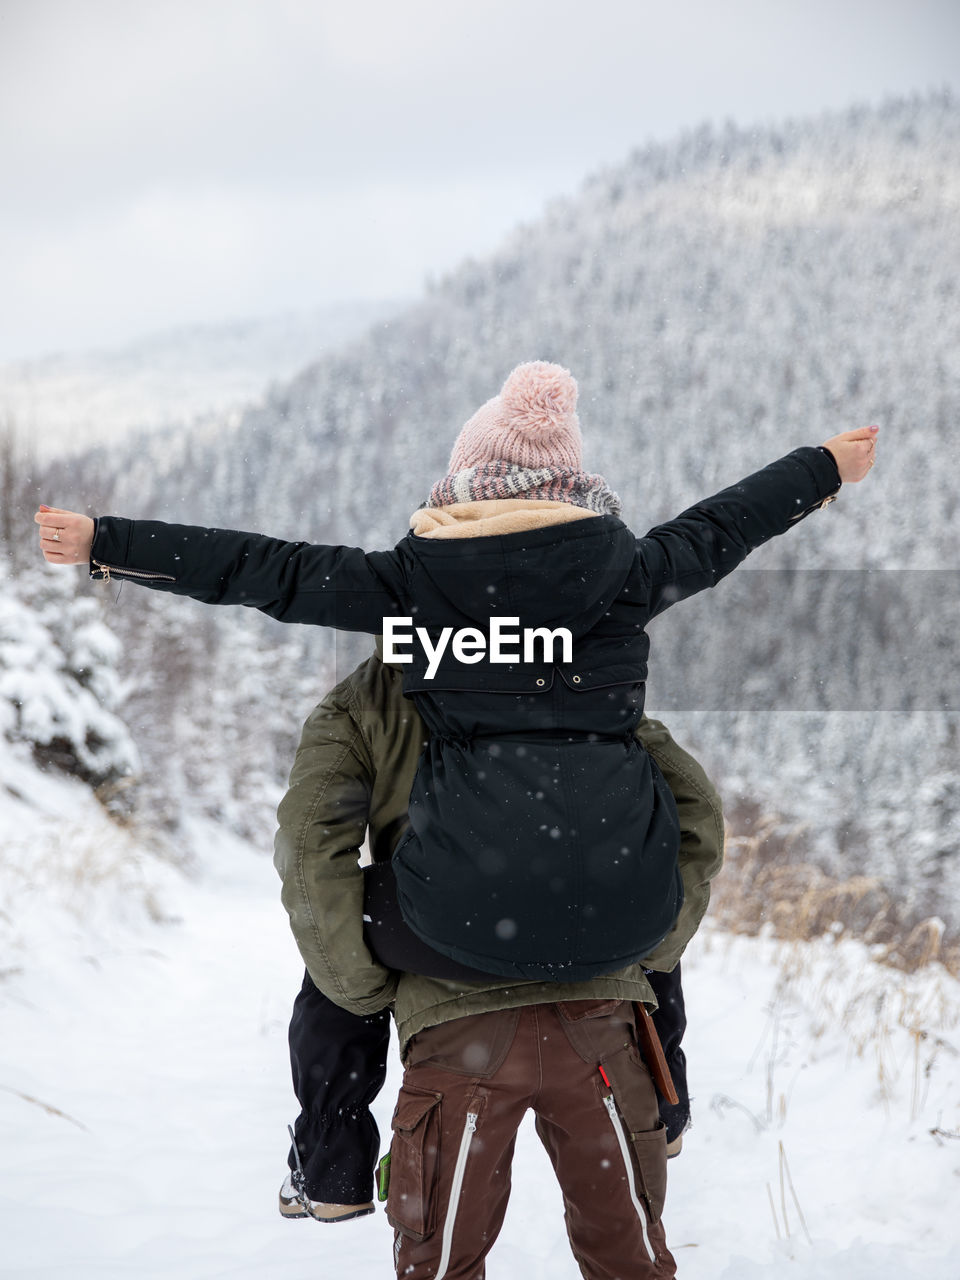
(543, 838)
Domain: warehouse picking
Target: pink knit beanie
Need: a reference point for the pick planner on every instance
(525, 443)
(531, 423)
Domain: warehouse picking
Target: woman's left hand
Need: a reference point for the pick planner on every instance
(66, 537)
(854, 452)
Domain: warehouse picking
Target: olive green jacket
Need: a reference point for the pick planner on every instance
(351, 781)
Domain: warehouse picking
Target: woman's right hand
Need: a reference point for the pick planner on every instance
(66, 537)
(854, 452)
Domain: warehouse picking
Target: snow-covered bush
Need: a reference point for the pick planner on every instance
(59, 687)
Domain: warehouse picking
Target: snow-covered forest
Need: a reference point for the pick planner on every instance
(720, 299)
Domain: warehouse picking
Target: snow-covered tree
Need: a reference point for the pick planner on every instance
(60, 685)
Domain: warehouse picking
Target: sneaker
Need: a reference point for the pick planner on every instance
(294, 1204)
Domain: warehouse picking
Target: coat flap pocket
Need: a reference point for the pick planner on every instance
(411, 1108)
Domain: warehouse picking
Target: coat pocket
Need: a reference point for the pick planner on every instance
(414, 1163)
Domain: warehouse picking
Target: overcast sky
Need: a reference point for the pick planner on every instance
(188, 161)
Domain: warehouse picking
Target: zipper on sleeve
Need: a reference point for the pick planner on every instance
(108, 571)
(817, 506)
(469, 1129)
(628, 1165)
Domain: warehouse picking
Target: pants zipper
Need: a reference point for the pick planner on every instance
(628, 1165)
(469, 1129)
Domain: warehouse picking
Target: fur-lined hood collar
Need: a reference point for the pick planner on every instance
(494, 517)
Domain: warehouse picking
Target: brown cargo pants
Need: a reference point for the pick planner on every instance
(466, 1086)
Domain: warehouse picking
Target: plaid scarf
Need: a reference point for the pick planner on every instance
(507, 480)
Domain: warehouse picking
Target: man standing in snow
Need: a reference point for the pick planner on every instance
(477, 1054)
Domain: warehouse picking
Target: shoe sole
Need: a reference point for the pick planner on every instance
(341, 1217)
(294, 1209)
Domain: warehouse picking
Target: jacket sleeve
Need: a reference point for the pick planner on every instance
(334, 586)
(701, 837)
(709, 540)
(322, 824)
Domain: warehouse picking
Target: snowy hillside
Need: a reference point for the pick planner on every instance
(144, 1087)
(720, 300)
(204, 374)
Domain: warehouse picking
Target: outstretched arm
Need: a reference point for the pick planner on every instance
(335, 586)
(708, 540)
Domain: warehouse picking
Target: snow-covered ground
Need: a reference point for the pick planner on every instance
(144, 1089)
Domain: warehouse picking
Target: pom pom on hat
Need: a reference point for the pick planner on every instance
(531, 423)
(539, 398)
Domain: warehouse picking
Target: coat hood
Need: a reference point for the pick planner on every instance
(546, 563)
